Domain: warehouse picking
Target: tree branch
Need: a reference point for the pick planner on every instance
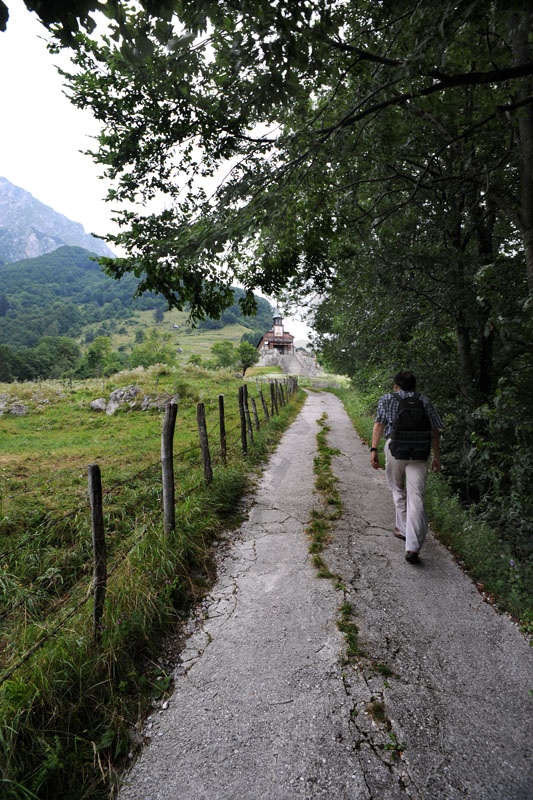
(476, 78)
(457, 79)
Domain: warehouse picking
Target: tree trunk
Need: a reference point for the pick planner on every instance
(485, 329)
(464, 348)
(457, 276)
(521, 28)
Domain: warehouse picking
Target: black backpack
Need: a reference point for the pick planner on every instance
(411, 430)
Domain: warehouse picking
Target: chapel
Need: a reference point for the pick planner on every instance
(277, 339)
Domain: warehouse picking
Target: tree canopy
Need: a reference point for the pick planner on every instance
(269, 127)
(65, 18)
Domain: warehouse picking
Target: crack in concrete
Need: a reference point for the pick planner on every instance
(269, 508)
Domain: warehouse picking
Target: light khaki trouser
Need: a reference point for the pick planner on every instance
(407, 482)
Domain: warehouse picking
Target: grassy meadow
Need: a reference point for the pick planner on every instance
(70, 701)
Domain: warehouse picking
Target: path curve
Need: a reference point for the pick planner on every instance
(263, 705)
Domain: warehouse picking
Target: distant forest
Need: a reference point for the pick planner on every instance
(47, 302)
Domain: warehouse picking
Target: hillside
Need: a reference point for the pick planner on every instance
(53, 309)
(57, 294)
(29, 228)
(60, 313)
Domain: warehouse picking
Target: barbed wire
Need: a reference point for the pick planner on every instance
(37, 487)
(51, 633)
(117, 561)
(41, 642)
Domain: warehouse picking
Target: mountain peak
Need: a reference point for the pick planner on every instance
(29, 228)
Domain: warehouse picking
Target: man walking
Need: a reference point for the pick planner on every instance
(406, 476)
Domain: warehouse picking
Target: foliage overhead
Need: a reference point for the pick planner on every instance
(67, 17)
(256, 121)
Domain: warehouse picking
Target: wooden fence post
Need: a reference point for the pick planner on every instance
(247, 414)
(256, 415)
(204, 443)
(273, 397)
(99, 548)
(263, 403)
(244, 443)
(222, 426)
(167, 466)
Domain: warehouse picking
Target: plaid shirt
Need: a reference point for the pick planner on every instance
(388, 409)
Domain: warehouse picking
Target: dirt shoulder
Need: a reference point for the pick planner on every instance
(264, 705)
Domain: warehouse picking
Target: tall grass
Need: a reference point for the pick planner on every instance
(70, 705)
(489, 559)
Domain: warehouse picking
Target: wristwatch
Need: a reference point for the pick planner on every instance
(373, 449)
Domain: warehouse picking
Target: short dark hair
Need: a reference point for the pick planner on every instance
(406, 380)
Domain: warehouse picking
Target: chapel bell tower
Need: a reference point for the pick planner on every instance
(277, 326)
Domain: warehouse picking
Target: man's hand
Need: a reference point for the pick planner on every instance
(377, 433)
(435, 464)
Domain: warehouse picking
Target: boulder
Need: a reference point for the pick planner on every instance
(158, 402)
(122, 397)
(18, 410)
(99, 405)
(129, 396)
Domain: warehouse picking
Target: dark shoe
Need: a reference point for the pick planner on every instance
(412, 557)
(399, 535)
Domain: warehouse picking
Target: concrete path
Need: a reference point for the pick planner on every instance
(264, 707)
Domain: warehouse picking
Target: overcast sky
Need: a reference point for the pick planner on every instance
(42, 135)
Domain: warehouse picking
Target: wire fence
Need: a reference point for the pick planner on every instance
(55, 560)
